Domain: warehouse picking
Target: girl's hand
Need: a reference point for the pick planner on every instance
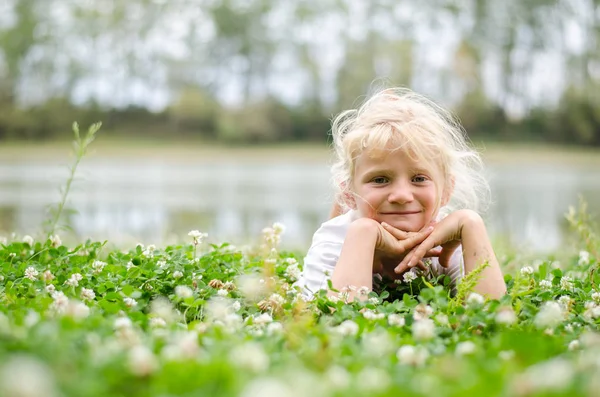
(393, 245)
(392, 261)
(447, 234)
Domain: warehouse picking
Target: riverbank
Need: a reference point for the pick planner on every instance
(194, 151)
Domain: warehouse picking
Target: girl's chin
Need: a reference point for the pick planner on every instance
(404, 226)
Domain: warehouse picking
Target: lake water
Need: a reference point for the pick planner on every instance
(159, 202)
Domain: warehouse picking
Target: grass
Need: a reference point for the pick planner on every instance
(193, 319)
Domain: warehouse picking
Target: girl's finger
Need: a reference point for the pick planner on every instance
(421, 265)
(399, 234)
(415, 239)
(435, 252)
(403, 265)
(417, 254)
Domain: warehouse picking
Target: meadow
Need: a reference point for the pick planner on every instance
(196, 319)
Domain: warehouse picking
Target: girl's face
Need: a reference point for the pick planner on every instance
(393, 188)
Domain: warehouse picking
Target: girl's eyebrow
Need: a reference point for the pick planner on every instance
(375, 171)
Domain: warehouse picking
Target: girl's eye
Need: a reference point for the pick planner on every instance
(419, 178)
(380, 180)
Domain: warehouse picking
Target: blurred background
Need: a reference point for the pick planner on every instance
(216, 113)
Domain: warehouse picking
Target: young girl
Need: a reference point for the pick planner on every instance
(411, 187)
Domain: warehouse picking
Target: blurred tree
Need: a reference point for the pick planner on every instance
(16, 41)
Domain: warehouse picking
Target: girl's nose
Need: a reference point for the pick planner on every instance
(401, 193)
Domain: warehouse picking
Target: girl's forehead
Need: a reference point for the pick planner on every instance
(390, 158)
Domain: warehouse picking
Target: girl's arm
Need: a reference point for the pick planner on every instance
(365, 240)
(467, 228)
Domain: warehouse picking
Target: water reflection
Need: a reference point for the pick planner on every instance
(159, 203)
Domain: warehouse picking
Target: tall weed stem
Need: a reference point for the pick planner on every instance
(80, 146)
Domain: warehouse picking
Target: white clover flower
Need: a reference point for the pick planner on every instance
(363, 291)
(50, 288)
(409, 277)
(506, 354)
(141, 361)
(373, 380)
(527, 271)
(412, 355)
(584, 258)
(565, 301)
(77, 310)
(183, 291)
(222, 292)
(197, 237)
(377, 344)
(262, 319)
(130, 302)
(291, 261)
(371, 315)
(60, 302)
(1, 277)
(129, 265)
(566, 282)
(475, 299)
(47, 276)
(12, 255)
(74, 280)
(396, 320)
(274, 328)
(177, 274)
(250, 356)
(162, 264)
(545, 284)
(596, 296)
(442, 319)
(338, 377)
(123, 322)
(271, 237)
(87, 294)
(574, 345)
(569, 328)
(31, 273)
(98, 266)
(157, 322)
(25, 376)
(267, 387)
(293, 272)
(506, 316)
(423, 329)
(333, 298)
(550, 315)
(374, 300)
(252, 286)
(278, 228)
(347, 328)
(28, 240)
(465, 348)
(55, 241)
(31, 319)
(277, 299)
(236, 306)
(553, 375)
(422, 311)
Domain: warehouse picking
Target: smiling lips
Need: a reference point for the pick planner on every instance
(401, 213)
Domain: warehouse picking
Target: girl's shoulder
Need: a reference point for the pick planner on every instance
(334, 230)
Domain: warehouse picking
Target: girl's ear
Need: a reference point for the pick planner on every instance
(349, 200)
(348, 197)
(448, 190)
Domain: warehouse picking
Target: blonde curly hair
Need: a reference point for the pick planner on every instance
(400, 119)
